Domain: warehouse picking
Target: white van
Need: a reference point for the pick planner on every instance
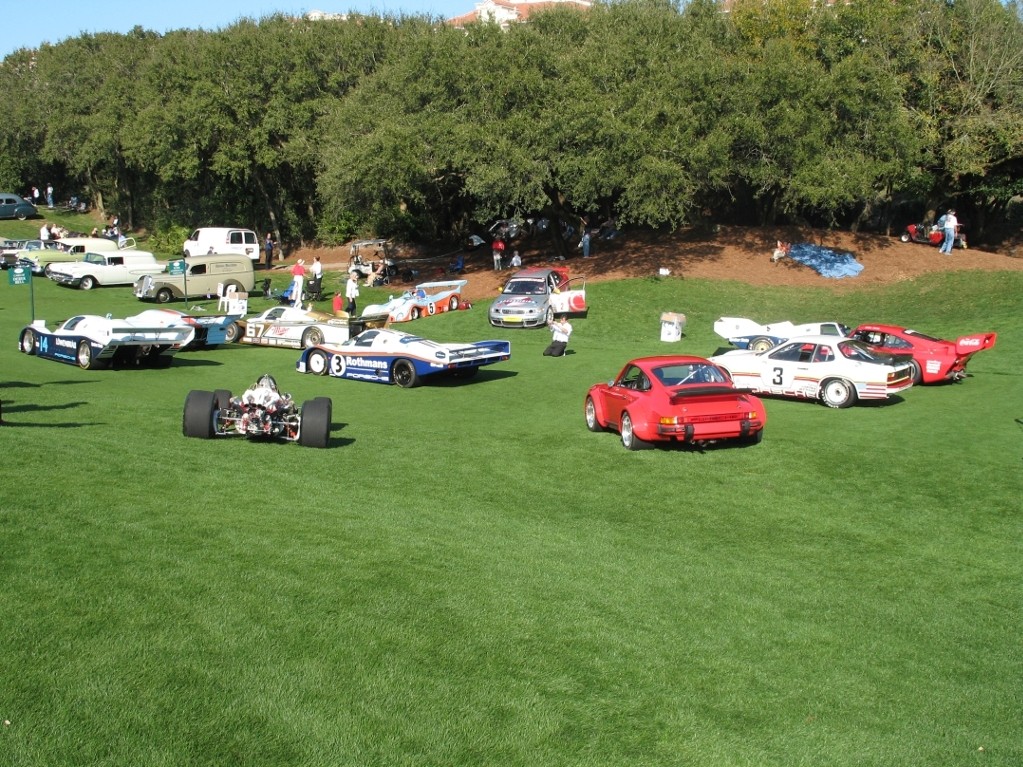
(222, 241)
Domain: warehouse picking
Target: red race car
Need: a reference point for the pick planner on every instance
(674, 399)
(934, 359)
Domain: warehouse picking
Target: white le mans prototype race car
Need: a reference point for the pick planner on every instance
(428, 299)
(837, 371)
(210, 331)
(90, 342)
(390, 356)
(262, 412)
(747, 334)
(300, 328)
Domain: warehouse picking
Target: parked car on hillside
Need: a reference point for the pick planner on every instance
(203, 276)
(532, 297)
(15, 206)
(223, 241)
(117, 268)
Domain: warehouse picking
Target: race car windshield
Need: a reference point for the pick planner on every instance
(525, 288)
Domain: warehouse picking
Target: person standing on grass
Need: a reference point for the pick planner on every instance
(951, 225)
(268, 250)
(351, 292)
(298, 277)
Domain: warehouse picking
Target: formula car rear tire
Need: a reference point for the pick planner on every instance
(312, 337)
(629, 439)
(314, 430)
(404, 374)
(760, 344)
(222, 399)
(915, 372)
(27, 343)
(197, 418)
(838, 393)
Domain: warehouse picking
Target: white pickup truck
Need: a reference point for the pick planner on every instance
(122, 267)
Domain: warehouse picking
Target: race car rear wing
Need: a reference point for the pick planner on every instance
(978, 342)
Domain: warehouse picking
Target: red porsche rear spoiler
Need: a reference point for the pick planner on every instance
(967, 345)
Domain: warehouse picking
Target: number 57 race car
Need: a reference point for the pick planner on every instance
(262, 411)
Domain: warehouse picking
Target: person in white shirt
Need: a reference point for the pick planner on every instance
(951, 225)
(561, 329)
(351, 292)
(44, 232)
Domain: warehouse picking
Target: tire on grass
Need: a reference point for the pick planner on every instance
(314, 430)
(197, 418)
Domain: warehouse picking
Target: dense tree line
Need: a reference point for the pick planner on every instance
(855, 114)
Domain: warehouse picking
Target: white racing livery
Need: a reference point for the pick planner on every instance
(747, 334)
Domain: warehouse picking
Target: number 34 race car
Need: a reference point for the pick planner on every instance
(390, 356)
(262, 412)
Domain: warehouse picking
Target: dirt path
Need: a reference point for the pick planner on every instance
(732, 253)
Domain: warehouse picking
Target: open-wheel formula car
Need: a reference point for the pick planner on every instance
(837, 371)
(675, 398)
(390, 356)
(934, 359)
(426, 300)
(747, 334)
(261, 412)
(91, 341)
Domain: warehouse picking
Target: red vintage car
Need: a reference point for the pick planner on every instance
(679, 399)
(934, 359)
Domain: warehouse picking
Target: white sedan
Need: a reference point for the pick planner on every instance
(837, 371)
(299, 328)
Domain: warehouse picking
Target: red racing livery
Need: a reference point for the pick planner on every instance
(934, 359)
(674, 399)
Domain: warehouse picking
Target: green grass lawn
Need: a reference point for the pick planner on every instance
(468, 576)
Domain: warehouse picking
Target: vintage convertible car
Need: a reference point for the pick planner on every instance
(210, 330)
(90, 341)
(262, 412)
(837, 371)
(747, 334)
(428, 299)
(933, 359)
(301, 328)
(390, 356)
(532, 297)
(674, 399)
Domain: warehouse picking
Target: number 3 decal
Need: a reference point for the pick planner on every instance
(777, 377)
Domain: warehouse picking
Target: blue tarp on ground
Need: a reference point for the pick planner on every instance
(827, 262)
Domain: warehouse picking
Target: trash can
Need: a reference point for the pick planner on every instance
(672, 324)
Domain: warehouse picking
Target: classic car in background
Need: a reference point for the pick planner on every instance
(674, 399)
(747, 334)
(532, 297)
(390, 356)
(837, 371)
(301, 328)
(933, 359)
(90, 341)
(262, 411)
(426, 300)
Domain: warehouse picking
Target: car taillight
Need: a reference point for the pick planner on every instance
(672, 421)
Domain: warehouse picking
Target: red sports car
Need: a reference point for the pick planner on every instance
(934, 359)
(674, 399)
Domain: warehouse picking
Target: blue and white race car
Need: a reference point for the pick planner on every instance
(747, 334)
(210, 330)
(91, 341)
(390, 356)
